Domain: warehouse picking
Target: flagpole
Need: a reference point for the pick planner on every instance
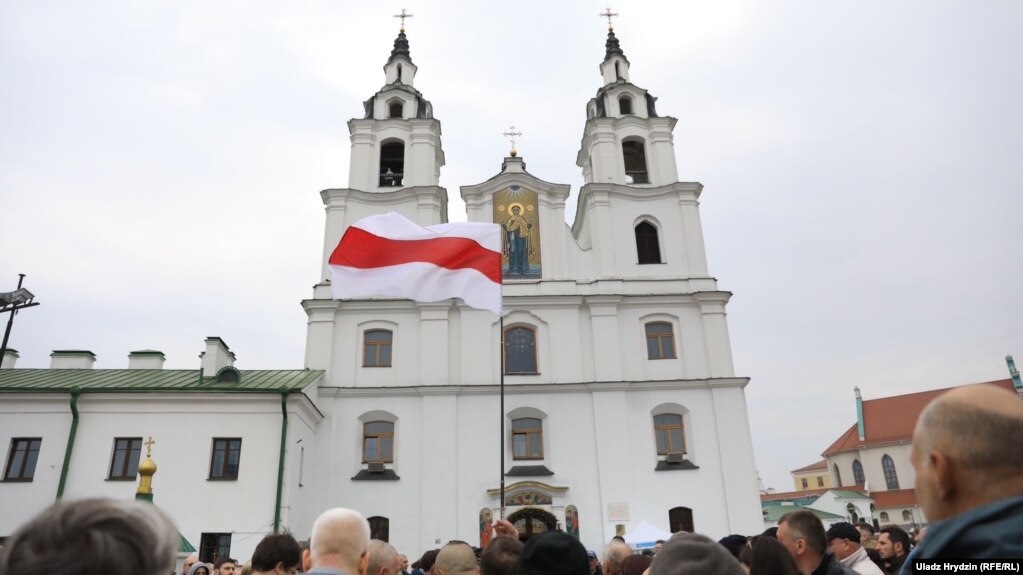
(502, 417)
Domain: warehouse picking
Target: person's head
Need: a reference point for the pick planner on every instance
(968, 450)
(428, 559)
(658, 545)
(733, 543)
(866, 531)
(802, 533)
(553, 553)
(403, 562)
(278, 554)
(516, 210)
(501, 556)
(93, 536)
(246, 568)
(455, 558)
(892, 542)
(765, 555)
(186, 565)
(635, 564)
(340, 540)
(616, 552)
(225, 566)
(594, 560)
(843, 539)
(383, 559)
(919, 535)
(200, 569)
(687, 553)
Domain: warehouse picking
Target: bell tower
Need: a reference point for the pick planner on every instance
(396, 144)
(625, 141)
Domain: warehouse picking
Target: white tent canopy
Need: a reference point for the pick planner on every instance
(644, 535)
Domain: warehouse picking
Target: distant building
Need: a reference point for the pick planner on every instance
(814, 476)
(873, 454)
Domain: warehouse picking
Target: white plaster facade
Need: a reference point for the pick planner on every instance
(595, 389)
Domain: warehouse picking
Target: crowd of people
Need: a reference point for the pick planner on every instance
(967, 453)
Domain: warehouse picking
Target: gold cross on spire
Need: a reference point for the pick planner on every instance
(607, 13)
(511, 134)
(149, 446)
(403, 15)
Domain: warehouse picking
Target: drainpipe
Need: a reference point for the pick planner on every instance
(75, 392)
(859, 415)
(280, 465)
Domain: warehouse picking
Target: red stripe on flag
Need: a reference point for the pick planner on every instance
(361, 249)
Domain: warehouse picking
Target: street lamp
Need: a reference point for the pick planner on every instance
(13, 301)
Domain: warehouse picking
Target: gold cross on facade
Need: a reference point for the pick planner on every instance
(511, 134)
(149, 447)
(403, 15)
(607, 13)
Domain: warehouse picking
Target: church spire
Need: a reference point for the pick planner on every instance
(612, 47)
(401, 42)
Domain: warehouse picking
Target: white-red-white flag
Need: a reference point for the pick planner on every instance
(388, 255)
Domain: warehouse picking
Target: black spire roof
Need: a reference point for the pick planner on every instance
(400, 47)
(612, 46)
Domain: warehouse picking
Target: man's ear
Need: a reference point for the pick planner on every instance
(307, 560)
(364, 563)
(800, 546)
(945, 475)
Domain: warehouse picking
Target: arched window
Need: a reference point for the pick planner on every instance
(838, 475)
(660, 340)
(858, 472)
(527, 438)
(890, 477)
(648, 247)
(392, 163)
(625, 105)
(884, 517)
(395, 109)
(519, 350)
(378, 442)
(376, 348)
(907, 516)
(618, 74)
(670, 433)
(398, 67)
(635, 162)
(680, 519)
(379, 528)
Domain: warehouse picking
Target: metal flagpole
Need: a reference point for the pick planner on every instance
(502, 417)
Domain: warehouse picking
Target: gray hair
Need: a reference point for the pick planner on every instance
(381, 554)
(343, 533)
(93, 537)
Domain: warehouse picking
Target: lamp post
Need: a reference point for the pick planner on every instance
(13, 301)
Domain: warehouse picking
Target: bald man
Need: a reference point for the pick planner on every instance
(456, 558)
(339, 544)
(968, 457)
(383, 559)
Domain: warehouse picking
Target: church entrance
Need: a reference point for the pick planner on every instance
(532, 521)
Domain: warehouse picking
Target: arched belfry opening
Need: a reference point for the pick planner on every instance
(395, 108)
(625, 105)
(634, 153)
(392, 163)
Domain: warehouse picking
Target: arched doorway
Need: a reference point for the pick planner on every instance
(532, 521)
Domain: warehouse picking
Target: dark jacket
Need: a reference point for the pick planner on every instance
(894, 567)
(832, 566)
(992, 531)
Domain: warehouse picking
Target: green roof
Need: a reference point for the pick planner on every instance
(141, 380)
(774, 512)
(845, 493)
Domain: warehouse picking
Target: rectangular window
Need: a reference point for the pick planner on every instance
(124, 464)
(805, 483)
(378, 442)
(519, 351)
(376, 348)
(660, 341)
(527, 438)
(226, 454)
(213, 546)
(820, 481)
(668, 429)
(21, 460)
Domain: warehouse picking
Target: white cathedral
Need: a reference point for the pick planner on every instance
(621, 403)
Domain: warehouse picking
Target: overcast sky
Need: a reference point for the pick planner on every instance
(161, 162)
